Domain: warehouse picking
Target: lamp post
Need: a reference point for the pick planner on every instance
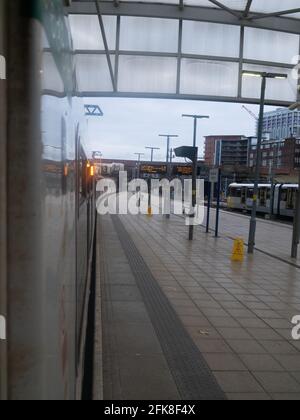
(264, 76)
(168, 137)
(190, 153)
(195, 118)
(195, 166)
(152, 151)
(98, 155)
(139, 155)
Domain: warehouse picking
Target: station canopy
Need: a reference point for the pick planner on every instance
(186, 49)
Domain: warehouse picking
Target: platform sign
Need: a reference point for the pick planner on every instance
(183, 170)
(214, 176)
(154, 169)
(93, 111)
(187, 152)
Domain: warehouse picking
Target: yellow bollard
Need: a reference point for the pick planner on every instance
(150, 214)
(238, 252)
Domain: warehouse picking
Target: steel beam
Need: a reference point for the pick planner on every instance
(275, 14)
(227, 9)
(183, 55)
(188, 97)
(117, 52)
(201, 14)
(241, 62)
(248, 8)
(179, 56)
(102, 28)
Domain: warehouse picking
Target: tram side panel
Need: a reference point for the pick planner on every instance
(284, 198)
(44, 270)
(26, 280)
(60, 128)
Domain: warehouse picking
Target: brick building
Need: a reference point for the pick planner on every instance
(226, 151)
(277, 155)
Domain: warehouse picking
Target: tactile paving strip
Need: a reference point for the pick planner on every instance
(191, 373)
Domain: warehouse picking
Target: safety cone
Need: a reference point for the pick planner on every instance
(238, 252)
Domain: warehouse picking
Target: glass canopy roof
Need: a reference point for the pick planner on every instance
(256, 6)
(189, 49)
(247, 9)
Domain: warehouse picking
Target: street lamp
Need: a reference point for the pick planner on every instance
(195, 118)
(98, 155)
(168, 137)
(139, 155)
(263, 76)
(152, 151)
(195, 165)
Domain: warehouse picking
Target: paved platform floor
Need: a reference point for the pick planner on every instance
(273, 237)
(238, 315)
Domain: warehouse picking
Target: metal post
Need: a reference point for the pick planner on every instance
(218, 204)
(152, 151)
(296, 230)
(168, 166)
(194, 181)
(195, 132)
(252, 232)
(106, 47)
(168, 137)
(195, 167)
(272, 192)
(139, 163)
(194, 191)
(210, 194)
(168, 153)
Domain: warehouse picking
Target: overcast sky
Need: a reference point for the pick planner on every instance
(129, 125)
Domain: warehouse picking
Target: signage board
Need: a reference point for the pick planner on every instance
(183, 170)
(154, 169)
(187, 152)
(214, 176)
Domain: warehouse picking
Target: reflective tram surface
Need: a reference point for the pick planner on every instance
(144, 259)
(50, 205)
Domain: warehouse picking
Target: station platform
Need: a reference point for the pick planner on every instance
(273, 237)
(178, 320)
